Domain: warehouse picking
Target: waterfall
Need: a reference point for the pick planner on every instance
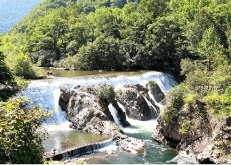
(158, 104)
(114, 114)
(45, 93)
(150, 105)
(150, 124)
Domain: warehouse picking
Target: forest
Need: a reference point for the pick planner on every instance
(119, 35)
(188, 38)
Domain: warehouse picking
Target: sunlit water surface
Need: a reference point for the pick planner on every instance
(45, 94)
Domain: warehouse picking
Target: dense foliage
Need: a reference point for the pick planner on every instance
(20, 138)
(207, 81)
(9, 85)
(187, 37)
(121, 35)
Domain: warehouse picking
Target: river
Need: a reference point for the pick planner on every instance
(45, 94)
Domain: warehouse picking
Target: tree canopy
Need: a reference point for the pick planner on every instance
(146, 34)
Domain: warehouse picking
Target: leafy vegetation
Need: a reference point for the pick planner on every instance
(20, 140)
(190, 38)
(122, 35)
(106, 93)
(9, 84)
(153, 83)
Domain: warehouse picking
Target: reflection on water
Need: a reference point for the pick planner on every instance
(61, 140)
(78, 73)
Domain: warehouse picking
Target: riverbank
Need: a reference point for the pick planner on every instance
(197, 126)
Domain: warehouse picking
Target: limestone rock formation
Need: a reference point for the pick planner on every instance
(195, 131)
(155, 90)
(87, 110)
(137, 103)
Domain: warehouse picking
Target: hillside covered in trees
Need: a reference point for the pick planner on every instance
(190, 38)
(120, 35)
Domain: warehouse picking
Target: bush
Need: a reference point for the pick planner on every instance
(220, 103)
(107, 93)
(175, 101)
(153, 84)
(23, 67)
(20, 141)
(9, 85)
(6, 76)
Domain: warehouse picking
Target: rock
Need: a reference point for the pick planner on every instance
(184, 158)
(157, 136)
(132, 97)
(228, 120)
(156, 91)
(130, 144)
(204, 137)
(87, 111)
(49, 72)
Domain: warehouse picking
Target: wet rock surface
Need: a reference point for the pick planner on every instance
(155, 90)
(207, 139)
(136, 102)
(89, 112)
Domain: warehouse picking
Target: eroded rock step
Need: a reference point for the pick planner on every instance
(78, 150)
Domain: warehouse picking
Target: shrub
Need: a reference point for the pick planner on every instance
(175, 100)
(185, 126)
(153, 84)
(23, 67)
(107, 93)
(20, 141)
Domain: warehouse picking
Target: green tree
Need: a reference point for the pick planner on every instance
(23, 67)
(211, 49)
(166, 43)
(6, 76)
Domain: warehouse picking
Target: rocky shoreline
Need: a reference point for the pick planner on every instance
(195, 132)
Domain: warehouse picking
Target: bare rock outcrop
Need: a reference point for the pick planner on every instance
(87, 110)
(137, 103)
(155, 90)
(194, 130)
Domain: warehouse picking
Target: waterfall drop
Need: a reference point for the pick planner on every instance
(45, 94)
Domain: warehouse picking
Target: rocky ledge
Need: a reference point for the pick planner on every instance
(194, 130)
(137, 102)
(87, 110)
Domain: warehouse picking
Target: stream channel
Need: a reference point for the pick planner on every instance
(45, 93)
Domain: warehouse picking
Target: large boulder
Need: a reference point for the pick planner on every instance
(84, 105)
(136, 102)
(155, 90)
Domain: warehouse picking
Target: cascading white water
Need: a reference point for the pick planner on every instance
(45, 93)
(150, 124)
(113, 113)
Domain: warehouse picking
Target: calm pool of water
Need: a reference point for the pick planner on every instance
(61, 140)
(78, 73)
